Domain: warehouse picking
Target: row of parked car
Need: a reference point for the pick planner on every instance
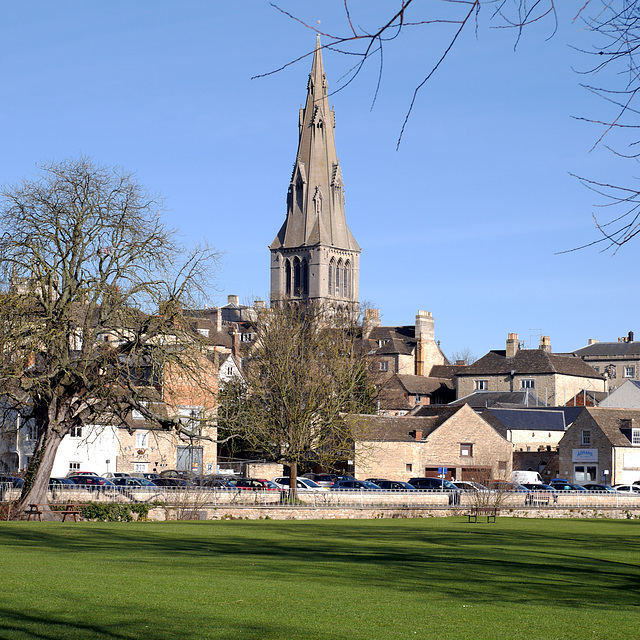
(316, 482)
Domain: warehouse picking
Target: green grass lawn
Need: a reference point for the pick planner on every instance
(335, 579)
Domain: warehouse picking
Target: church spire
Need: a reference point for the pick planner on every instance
(315, 219)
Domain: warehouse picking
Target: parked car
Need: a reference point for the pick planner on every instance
(558, 481)
(323, 479)
(631, 489)
(91, 481)
(355, 485)
(538, 486)
(470, 487)
(438, 484)
(392, 485)
(599, 488)
(567, 486)
(75, 472)
(253, 484)
(433, 484)
(124, 481)
(116, 474)
(14, 481)
(170, 482)
(507, 487)
(302, 483)
(61, 483)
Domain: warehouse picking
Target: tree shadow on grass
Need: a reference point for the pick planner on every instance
(14, 624)
(515, 562)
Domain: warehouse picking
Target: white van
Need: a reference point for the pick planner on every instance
(526, 477)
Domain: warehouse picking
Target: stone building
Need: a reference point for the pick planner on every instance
(617, 361)
(314, 257)
(602, 445)
(405, 350)
(437, 438)
(555, 379)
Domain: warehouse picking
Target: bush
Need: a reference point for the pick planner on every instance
(105, 512)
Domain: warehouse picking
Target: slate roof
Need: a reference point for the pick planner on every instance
(527, 419)
(529, 362)
(605, 349)
(484, 399)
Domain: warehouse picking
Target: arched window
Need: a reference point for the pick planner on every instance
(348, 279)
(339, 279)
(287, 276)
(297, 277)
(332, 269)
(305, 278)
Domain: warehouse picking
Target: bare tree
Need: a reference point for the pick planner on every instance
(303, 376)
(464, 355)
(93, 286)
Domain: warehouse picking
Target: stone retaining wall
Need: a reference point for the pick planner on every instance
(366, 513)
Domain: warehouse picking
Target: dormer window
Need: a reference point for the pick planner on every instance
(635, 436)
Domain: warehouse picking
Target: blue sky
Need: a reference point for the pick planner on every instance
(464, 220)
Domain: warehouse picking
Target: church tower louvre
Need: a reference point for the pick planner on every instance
(314, 257)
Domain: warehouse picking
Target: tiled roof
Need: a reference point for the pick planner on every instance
(398, 429)
(611, 423)
(446, 370)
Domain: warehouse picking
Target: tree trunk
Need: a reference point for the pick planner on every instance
(293, 480)
(36, 484)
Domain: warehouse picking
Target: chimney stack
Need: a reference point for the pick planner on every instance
(592, 341)
(231, 299)
(545, 344)
(259, 304)
(512, 345)
(371, 319)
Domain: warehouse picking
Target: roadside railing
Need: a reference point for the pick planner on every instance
(214, 497)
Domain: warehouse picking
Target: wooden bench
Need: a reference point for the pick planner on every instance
(489, 512)
(70, 510)
(34, 510)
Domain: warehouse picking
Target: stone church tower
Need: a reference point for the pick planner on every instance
(314, 257)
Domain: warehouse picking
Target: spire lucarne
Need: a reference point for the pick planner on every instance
(314, 257)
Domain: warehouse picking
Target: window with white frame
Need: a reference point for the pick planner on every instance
(629, 371)
(586, 437)
(75, 432)
(635, 436)
(142, 439)
(527, 383)
(418, 398)
(384, 366)
(481, 385)
(466, 449)
(204, 332)
(141, 467)
(74, 466)
(408, 467)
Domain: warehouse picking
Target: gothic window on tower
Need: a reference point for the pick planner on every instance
(287, 277)
(338, 278)
(305, 278)
(347, 279)
(297, 277)
(332, 269)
